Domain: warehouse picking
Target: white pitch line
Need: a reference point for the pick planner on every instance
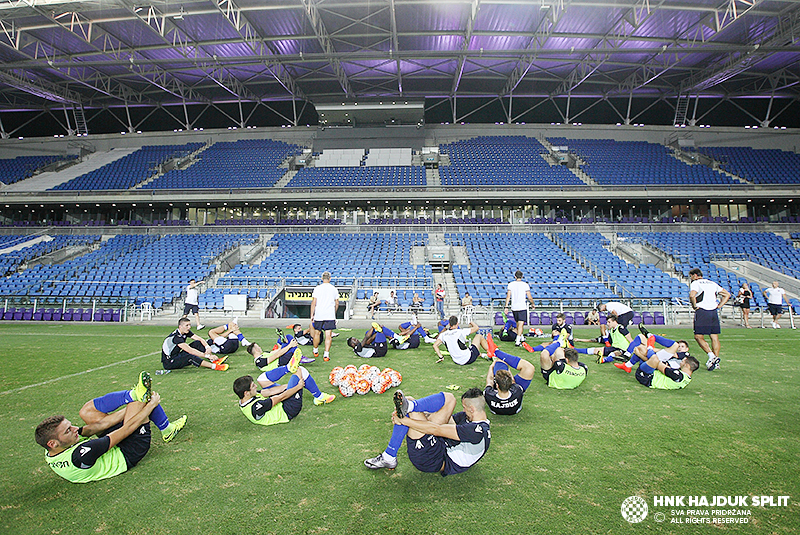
(78, 373)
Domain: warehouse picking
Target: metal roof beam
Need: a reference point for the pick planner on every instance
(396, 47)
(255, 42)
(325, 41)
(462, 58)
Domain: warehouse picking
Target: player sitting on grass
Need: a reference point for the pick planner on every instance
(177, 353)
(225, 339)
(560, 366)
(436, 439)
(455, 340)
(659, 369)
(277, 363)
(503, 392)
(672, 349)
(276, 404)
(123, 436)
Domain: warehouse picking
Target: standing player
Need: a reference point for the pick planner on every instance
(623, 312)
(776, 296)
(436, 439)
(703, 296)
(439, 295)
(324, 304)
(518, 292)
(190, 305)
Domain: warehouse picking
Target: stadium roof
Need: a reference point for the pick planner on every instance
(124, 54)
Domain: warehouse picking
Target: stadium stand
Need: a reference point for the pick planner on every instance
(374, 260)
(321, 177)
(501, 160)
(130, 170)
(759, 166)
(13, 170)
(551, 273)
(610, 162)
(247, 163)
(644, 281)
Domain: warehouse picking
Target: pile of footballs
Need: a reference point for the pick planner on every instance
(352, 380)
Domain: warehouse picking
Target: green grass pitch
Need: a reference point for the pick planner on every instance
(563, 465)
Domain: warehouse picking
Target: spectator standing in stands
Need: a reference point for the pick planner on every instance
(776, 296)
(438, 295)
(324, 303)
(703, 296)
(191, 306)
(743, 297)
(518, 292)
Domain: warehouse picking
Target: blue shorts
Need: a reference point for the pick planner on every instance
(427, 454)
(326, 325)
(706, 321)
(774, 310)
(293, 405)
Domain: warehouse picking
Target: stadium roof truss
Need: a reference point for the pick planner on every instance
(169, 54)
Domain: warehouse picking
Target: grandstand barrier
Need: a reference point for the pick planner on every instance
(15, 308)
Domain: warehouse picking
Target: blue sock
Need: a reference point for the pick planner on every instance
(499, 365)
(311, 386)
(646, 368)
(608, 359)
(510, 325)
(552, 347)
(540, 347)
(431, 403)
(399, 432)
(277, 373)
(421, 332)
(112, 401)
(634, 360)
(523, 383)
(509, 359)
(633, 345)
(289, 337)
(159, 417)
(387, 333)
(581, 350)
(240, 337)
(293, 381)
(666, 342)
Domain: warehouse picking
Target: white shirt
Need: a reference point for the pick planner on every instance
(617, 308)
(191, 295)
(707, 290)
(326, 294)
(450, 339)
(518, 290)
(775, 295)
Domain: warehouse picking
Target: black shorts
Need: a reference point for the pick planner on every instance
(546, 374)
(413, 341)
(509, 336)
(293, 405)
(706, 321)
(327, 325)
(133, 447)
(380, 349)
(189, 309)
(520, 316)
(183, 359)
(625, 319)
(608, 350)
(774, 310)
(474, 353)
(645, 378)
(231, 345)
(427, 454)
